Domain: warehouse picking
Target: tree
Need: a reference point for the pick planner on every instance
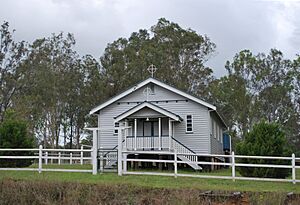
(265, 139)
(13, 134)
(258, 87)
(294, 123)
(48, 86)
(12, 55)
(180, 55)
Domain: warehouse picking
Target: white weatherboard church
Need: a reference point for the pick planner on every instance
(160, 117)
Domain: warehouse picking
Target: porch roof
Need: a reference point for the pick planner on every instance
(152, 107)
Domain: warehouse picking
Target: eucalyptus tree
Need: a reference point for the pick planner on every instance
(296, 100)
(180, 54)
(51, 60)
(258, 87)
(12, 56)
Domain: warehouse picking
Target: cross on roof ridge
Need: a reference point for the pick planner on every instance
(152, 69)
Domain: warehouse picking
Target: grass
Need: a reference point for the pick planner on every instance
(151, 181)
(64, 166)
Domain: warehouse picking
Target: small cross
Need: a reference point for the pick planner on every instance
(152, 69)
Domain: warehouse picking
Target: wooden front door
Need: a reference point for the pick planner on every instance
(150, 128)
(150, 133)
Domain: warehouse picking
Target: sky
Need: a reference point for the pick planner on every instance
(233, 25)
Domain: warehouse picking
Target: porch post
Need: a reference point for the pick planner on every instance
(120, 150)
(170, 133)
(159, 133)
(94, 152)
(135, 132)
(126, 133)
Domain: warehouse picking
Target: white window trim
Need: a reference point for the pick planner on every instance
(186, 131)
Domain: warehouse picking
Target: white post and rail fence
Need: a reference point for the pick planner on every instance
(233, 163)
(45, 154)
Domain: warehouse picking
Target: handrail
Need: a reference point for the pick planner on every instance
(141, 136)
(183, 145)
(115, 147)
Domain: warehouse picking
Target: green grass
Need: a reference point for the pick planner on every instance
(152, 181)
(63, 166)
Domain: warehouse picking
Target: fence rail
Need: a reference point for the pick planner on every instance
(44, 155)
(290, 164)
(119, 157)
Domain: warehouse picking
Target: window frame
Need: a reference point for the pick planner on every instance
(215, 129)
(221, 135)
(218, 132)
(186, 124)
(116, 125)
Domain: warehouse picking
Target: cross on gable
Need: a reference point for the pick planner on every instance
(152, 69)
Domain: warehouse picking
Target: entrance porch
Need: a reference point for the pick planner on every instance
(148, 127)
(149, 134)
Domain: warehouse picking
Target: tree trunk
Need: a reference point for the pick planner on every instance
(78, 137)
(45, 136)
(65, 136)
(71, 132)
(57, 135)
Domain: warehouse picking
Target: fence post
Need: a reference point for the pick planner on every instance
(125, 163)
(293, 168)
(233, 166)
(40, 158)
(101, 162)
(71, 156)
(94, 152)
(175, 163)
(120, 152)
(59, 156)
(46, 158)
(81, 155)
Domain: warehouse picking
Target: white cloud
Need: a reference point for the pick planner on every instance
(233, 25)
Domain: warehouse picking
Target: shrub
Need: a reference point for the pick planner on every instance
(13, 134)
(266, 139)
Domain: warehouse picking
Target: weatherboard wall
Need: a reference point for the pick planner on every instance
(216, 142)
(198, 141)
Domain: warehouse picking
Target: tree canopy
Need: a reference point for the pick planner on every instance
(265, 139)
(52, 87)
(259, 87)
(14, 134)
(180, 54)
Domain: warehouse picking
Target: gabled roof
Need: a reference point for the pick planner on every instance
(157, 82)
(152, 107)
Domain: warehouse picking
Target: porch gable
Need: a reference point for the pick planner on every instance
(150, 106)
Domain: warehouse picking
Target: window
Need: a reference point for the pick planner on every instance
(189, 123)
(212, 127)
(221, 134)
(116, 128)
(218, 132)
(215, 129)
